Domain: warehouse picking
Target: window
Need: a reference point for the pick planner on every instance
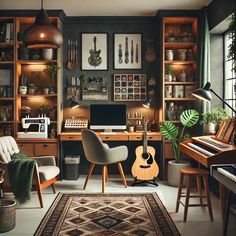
(229, 76)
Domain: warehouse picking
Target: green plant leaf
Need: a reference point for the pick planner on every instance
(168, 130)
(189, 118)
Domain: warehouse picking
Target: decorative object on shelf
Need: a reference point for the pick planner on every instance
(25, 112)
(46, 91)
(47, 53)
(42, 34)
(127, 51)
(94, 51)
(35, 54)
(168, 91)
(189, 55)
(150, 54)
(23, 89)
(4, 113)
(51, 71)
(169, 55)
(23, 85)
(178, 91)
(32, 89)
(171, 132)
(95, 89)
(182, 53)
(168, 75)
(189, 90)
(130, 87)
(183, 76)
(23, 53)
(213, 118)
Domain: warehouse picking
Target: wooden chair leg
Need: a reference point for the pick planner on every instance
(106, 173)
(187, 197)
(179, 192)
(199, 188)
(103, 177)
(53, 188)
(38, 186)
(208, 196)
(122, 174)
(89, 174)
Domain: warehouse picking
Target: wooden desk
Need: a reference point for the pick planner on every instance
(122, 136)
(130, 139)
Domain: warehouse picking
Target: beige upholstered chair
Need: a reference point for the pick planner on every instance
(46, 171)
(99, 153)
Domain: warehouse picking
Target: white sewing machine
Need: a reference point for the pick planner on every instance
(42, 130)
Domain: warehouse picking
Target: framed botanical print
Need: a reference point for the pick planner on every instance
(127, 51)
(94, 51)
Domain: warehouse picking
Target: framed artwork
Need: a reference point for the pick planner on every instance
(130, 87)
(127, 51)
(94, 55)
(178, 91)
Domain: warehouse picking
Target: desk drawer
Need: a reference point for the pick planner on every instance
(27, 148)
(136, 137)
(46, 149)
(113, 137)
(67, 137)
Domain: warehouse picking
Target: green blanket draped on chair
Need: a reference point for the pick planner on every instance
(20, 177)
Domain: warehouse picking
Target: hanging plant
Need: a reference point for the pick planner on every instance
(232, 36)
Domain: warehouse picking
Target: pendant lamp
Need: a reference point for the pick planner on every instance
(42, 34)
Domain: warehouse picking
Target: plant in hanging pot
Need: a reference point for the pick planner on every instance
(212, 119)
(51, 71)
(177, 135)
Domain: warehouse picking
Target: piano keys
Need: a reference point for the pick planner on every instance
(208, 151)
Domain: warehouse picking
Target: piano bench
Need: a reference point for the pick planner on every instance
(190, 174)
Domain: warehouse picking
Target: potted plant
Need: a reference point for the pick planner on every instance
(3, 113)
(232, 46)
(51, 71)
(213, 118)
(177, 135)
(168, 75)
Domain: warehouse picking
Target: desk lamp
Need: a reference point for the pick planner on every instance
(148, 104)
(205, 94)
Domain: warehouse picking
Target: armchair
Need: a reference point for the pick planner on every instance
(45, 173)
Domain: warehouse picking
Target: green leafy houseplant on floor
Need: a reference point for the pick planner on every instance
(174, 134)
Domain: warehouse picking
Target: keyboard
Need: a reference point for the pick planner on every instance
(202, 148)
(229, 171)
(219, 145)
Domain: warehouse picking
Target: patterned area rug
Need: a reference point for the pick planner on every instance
(107, 214)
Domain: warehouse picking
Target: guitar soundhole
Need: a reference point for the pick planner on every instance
(145, 155)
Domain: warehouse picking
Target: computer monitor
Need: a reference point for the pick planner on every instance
(108, 117)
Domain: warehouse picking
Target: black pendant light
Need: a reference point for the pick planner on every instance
(42, 34)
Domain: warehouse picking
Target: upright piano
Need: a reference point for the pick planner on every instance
(216, 153)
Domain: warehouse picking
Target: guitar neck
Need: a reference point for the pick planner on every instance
(145, 137)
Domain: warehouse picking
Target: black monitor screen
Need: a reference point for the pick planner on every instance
(108, 116)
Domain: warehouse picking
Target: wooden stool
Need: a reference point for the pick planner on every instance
(197, 173)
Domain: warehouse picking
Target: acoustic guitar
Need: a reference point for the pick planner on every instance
(145, 167)
(94, 58)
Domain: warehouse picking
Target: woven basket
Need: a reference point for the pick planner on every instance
(7, 215)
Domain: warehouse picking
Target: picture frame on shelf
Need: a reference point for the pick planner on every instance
(94, 51)
(130, 87)
(178, 91)
(128, 51)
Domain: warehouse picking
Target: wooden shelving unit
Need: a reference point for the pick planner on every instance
(180, 34)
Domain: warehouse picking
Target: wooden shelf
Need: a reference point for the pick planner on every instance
(36, 62)
(180, 62)
(180, 83)
(6, 45)
(6, 62)
(180, 45)
(7, 122)
(7, 99)
(37, 95)
(180, 99)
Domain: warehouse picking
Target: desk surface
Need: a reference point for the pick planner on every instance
(122, 136)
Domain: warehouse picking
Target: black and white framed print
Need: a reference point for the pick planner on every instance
(94, 51)
(127, 51)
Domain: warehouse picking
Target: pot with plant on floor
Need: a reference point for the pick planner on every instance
(213, 118)
(176, 135)
(51, 71)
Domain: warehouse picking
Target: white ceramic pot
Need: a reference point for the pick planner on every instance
(173, 175)
(22, 89)
(169, 55)
(47, 53)
(182, 54)
(210, 128)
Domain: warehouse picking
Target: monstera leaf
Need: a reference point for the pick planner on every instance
(189, 118)
(168, 130)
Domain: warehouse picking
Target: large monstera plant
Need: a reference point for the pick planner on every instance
(176, 134)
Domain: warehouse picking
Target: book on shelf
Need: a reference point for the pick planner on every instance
(6, 32)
